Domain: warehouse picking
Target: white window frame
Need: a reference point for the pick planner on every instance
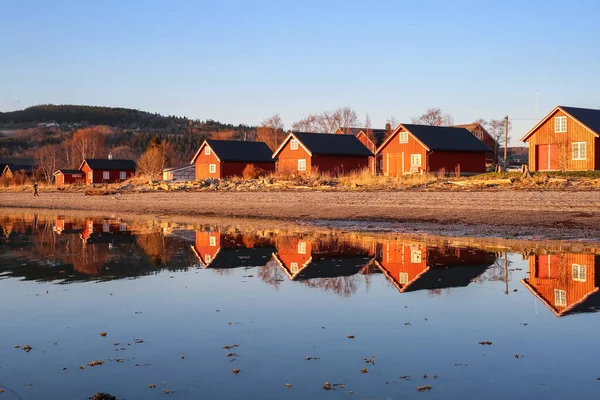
(105, 175)
(560, 298)
(403, 278)
(301, 164)
(301, 247)
(577, 155)
(416, 257)
(579, 272)
(91, 176)
(414, 157)
(294, 267)
(122, 175)
(212, 168)
(560, 124)
(212, 241)
(207, 151)
(403, 137)
(293, 144)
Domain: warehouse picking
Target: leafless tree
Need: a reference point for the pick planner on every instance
(91, 142)
(497, 130)
(434, 117)
(392, 122)
(271, 131)
(48, 161)
(327, 121)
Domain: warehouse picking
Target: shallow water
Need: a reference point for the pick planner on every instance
(171, 296)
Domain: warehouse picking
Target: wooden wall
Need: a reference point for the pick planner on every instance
(392, 158)
(287, 160)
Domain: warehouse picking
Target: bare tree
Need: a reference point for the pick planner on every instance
(497, 130)
(310, 123)
(91, 142)
(271, 131)
(48, 161)
(434, 117)
(327, 121)
(392, 122)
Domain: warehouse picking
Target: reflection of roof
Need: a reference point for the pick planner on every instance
(331, 144)
(238, 257)
(590, 303)
(332, 267)
(448, 277)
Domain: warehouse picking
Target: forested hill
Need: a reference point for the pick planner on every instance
(124, 118)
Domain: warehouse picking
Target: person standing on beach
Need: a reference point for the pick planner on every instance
(35, 189)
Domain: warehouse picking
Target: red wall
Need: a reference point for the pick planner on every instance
(98, 175)
(226, 169)
(373, 161)
(203, 162)
(230, 169)
(339, 165)
(470, 162)
(287, 159)
(62, 179)
(392, 155)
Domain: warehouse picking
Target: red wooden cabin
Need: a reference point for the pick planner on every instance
(372, 139)
(567, 139)
(421, 148)
(228, 158)
(68, 176)
(482, 134)
(97, 170)
(304, 153)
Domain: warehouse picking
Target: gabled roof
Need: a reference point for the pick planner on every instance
(68, 171)
(237, 150)
(332, 267)
(441, 138)
(378, 134)
(589, 303)
(447, 277)
(105, 163)
(588, 117)
(240, 257)
(19, 167)
(327, 144)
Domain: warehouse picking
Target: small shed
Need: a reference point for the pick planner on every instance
(229, 158)
(183, 173)
(99, 170)
(11, 169)
(421, 148)
(304, 152)
(68, 176)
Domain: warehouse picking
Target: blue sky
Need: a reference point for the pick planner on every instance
(241, 61)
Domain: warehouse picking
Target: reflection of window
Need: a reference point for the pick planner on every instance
(207, 151)
(560, 298)
(106, 175)
(403, 278)
(294, 267)
(415, 160)
(415, 256)
(579, 150)
(207, 258)
(302, 165)
(123, 227)
(301, 247)
(294, 144)
(560, 124)
(105, 228)
(122, 175)
(213, 241)
(212, 168)
(403, 136)
(579, 273)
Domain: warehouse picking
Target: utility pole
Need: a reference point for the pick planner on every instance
(505, 139)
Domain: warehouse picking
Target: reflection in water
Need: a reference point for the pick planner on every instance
(71, 249)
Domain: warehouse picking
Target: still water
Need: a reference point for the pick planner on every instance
(289, 309)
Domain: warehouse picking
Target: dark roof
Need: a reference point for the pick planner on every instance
(243, 257)
(332, 144)
(588, 116)
(378, 134)
(447, 277)
(590, 305)
(105, 163)
(237, 150)
(69, 171)
(20, 167)
(331, 267)
(446, 138)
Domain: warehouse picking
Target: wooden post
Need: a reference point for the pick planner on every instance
(505, 139)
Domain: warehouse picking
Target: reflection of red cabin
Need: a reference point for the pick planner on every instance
(402, 263)
(228, 158)
(303, 153)
(207, 246)
(223, 250)
(92, 227)
(420, 148)
(68, 176)
(565, 283)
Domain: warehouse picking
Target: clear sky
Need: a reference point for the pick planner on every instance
(240, 61)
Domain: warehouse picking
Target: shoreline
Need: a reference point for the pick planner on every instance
(519, 215)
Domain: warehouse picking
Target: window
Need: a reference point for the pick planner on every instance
(207, 151)
(76, 175)
(560, 124)
(294, 267)
(415, 256)
(403, 136)
(122, 175)
(91, 177)
(106, 175)
(579, 272)
(302, 165)
(213, 241)
(207, 258)
(560, 298)
(212, 168)
(301, 247)
(403, 278)
(293, 144)
(105, 227)
(415, 160)
(579, 149)
(123, 227)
